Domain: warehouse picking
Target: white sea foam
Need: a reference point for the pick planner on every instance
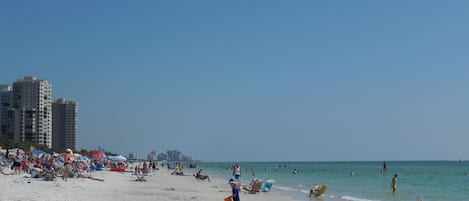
(305, 191)
(355, 199)
(285, 188)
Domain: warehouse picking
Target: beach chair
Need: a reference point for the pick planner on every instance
(141, 177)
(49, 174)
(268, 185)
(255, 186)
(35, 172)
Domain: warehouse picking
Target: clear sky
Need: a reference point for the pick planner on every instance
(253, 80)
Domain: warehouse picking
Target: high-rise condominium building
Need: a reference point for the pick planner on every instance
(64, 124)
(6, 112)
(32, 111)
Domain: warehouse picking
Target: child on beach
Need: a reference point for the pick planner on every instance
(235, 190)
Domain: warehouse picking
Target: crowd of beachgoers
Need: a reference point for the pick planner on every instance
(49, 166)
(19, 166)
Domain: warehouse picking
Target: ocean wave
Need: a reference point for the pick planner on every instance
(355, 199)
(285, 188)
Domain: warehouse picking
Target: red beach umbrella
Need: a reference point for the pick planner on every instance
(97, 154)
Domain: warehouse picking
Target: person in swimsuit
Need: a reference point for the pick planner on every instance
(17, 162)
(237, 171)
(67, 160)
(394, 184)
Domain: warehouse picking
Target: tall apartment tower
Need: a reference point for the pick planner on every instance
(64, 124)
(32, 111)
(6, 112)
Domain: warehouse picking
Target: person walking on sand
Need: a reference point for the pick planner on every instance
(235, 190)
(394, 184)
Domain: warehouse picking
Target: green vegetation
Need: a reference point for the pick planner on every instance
(26, 146)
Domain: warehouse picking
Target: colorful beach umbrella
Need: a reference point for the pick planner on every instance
(97, 155)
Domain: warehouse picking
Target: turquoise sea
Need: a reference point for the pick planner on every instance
(358, 181)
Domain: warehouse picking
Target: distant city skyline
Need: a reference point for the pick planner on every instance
(252, 80)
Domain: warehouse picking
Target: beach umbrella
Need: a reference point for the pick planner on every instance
(97, 155)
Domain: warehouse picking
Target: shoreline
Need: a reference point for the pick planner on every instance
(123, 187)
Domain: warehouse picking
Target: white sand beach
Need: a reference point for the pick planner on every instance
(122, 187)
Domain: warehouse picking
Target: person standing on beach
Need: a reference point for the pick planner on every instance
(394, 184)
(17, 162)
(67, 159)
(237, 171)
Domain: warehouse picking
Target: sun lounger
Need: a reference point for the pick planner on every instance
(254, 187)
(35, 172)
(49, 175)
(141, 177)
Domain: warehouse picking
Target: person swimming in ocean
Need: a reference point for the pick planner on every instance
(385, 168)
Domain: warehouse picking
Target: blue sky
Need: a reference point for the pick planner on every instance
(252, 80)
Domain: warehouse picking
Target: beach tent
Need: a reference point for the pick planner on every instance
(82, 158)
(118, 158)
(97, 155)
(38, 153)
(12, 152)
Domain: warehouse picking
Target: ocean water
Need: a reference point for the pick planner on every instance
(358, 181)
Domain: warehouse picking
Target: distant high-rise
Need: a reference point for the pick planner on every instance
(6, 112)
(152, 156)
(173, 155)
(133, 156)
(64, 124)
(32, 111)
